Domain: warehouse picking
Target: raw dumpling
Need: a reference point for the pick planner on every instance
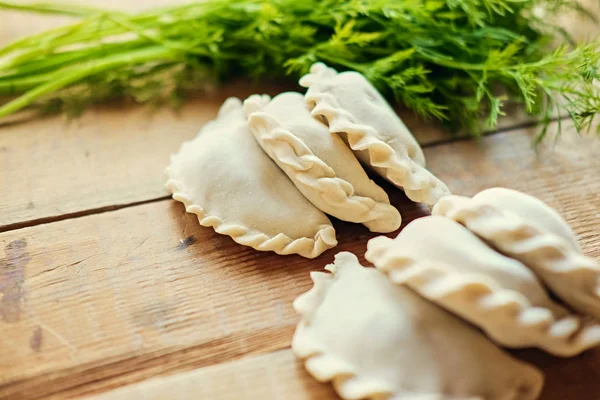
(318, 162)
(354, 109)
(447, 264)
(225, 178)
(525, 228)
(376, 340)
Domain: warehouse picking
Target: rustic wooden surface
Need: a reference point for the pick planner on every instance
(98, 167)
(108, 289)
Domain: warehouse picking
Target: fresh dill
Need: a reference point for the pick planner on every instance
(458, 61)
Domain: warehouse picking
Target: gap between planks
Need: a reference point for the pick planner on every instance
(114, 207)
(78, 214)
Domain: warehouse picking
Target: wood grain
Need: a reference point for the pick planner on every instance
(562, 172)
(50, 168)
(280, 376)
(105, 300)
(53, 169)
(274, 376)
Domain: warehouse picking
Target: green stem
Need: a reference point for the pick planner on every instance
(51, 62)
(85, 30)
(37, 38)
(15, 86)
(140, 31)
(93, 28)
(446, 62)
(348, 64)
(47, 8)
(60, 79)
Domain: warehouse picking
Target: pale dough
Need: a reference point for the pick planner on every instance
(318, 162)
(356, 111)
(525, 228)
(444, 262)
(225, 178)
(377, 340)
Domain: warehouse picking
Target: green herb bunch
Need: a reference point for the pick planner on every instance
(457, 61)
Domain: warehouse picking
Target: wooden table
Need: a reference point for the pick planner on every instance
(106, 283)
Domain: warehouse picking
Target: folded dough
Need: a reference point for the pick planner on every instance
(225, 178)
(318, 162)
(376, 340)
(447, 264)
(354, 109)
(525, 228)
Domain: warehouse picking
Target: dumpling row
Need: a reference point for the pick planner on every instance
(254, 170)
(407, 328)
(319, 163)
(526, 229)
(448, 265)
(494, 260)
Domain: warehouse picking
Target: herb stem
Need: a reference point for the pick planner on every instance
(48, 8)
(340, 61)
(60, 79)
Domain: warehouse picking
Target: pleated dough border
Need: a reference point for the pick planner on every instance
(515, 236)
(418, 183)
(326, 367)
(281, 244)
(505, 315)
(312, 171)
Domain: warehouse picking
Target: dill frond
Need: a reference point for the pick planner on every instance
(458, 61)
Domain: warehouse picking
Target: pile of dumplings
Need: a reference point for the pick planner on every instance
(429, 321)
(266, 172)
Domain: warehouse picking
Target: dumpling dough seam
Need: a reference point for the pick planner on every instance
(280, 244)
(326, 367)
(487, 301)
(347, 383)
(313, 172)
(418, 183)
(513, 235)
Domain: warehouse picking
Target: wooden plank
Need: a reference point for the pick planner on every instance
(584, 29)
(93, 303)
(562, 171)
(273, 376)
(50, 169)
(109, 157)
(279, 375)
(96, 301)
